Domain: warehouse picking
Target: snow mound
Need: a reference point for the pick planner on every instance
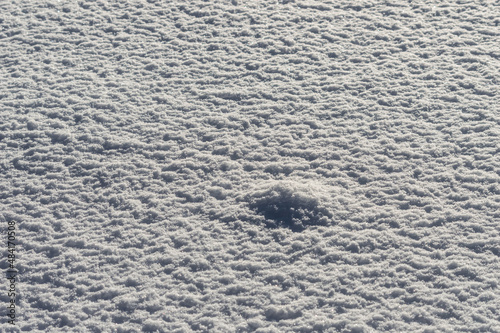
(290, 204)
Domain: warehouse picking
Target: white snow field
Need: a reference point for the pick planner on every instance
(251, 166)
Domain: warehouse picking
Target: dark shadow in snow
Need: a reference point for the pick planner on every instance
(286, 206)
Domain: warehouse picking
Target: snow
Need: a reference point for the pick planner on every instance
(251, 166)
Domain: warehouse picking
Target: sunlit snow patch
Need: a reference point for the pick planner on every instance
(290, 204)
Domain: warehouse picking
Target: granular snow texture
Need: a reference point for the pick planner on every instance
(251, 166)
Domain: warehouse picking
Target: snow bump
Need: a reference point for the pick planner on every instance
(290, 204)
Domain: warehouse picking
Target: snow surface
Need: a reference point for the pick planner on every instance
(252, 166)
